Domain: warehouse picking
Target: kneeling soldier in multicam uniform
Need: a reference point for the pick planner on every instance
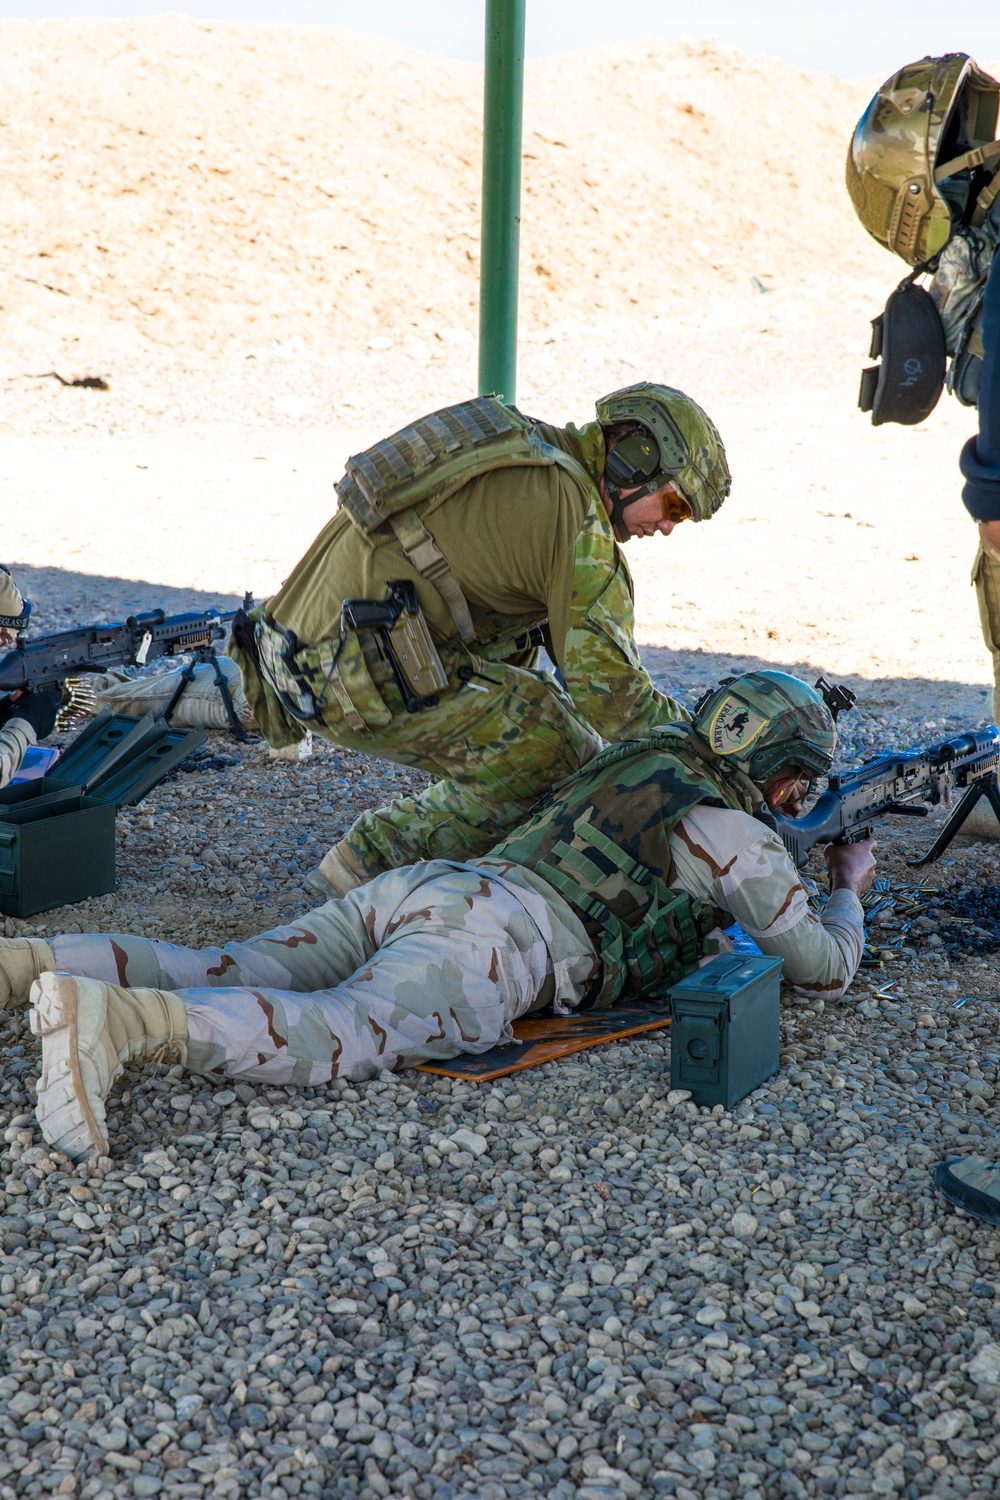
(619, 884)
(25, 718)
(473, 534)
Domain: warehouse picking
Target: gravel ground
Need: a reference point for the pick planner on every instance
(573, 1282)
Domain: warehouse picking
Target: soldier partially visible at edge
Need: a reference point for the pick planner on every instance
(620, 883)
(25, 718)
(505, 527)
(923, 171)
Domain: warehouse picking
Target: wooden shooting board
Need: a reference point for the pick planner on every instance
(542, 1039)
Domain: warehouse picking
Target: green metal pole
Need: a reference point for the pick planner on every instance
(503, 94)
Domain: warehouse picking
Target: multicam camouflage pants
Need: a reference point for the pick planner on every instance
(425, 962)
(498, 740)
(986, 578)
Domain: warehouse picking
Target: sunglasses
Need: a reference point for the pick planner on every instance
(675, 507)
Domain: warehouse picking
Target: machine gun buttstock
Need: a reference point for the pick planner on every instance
(821, 825)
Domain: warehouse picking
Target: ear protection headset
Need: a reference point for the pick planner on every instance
(641, 463)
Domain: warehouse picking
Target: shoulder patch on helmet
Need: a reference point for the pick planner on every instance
(734, 726)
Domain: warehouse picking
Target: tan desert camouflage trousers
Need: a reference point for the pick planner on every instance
(425, 962)
(986, 580)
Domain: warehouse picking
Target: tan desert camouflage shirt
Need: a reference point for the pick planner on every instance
(731, 860)
(728, 860)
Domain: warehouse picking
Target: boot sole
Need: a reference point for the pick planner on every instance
(63, 1113)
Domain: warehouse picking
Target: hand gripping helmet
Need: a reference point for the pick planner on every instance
(765, 720)
(679, 443)
(922, 152)
(13, 610)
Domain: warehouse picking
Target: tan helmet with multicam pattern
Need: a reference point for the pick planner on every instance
(686, 448)
(922, 151)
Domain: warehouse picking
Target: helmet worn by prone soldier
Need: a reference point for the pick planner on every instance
(674, 442)
(924, 153)
(764, 721)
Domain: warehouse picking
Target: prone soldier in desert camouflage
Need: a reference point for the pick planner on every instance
(620, 883)
(410, 628)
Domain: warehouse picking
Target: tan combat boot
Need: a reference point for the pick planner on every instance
(89, 1031)
(22, 960)
(337, 873)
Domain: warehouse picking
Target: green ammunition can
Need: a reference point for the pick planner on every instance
(724, 1030)
(57, 835)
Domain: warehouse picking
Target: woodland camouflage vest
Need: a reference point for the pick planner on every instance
(586, 839)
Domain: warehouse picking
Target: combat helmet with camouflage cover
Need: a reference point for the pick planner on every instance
(679, 444)
(923, 152)
(763, 721)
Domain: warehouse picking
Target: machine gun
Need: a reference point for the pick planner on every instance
(900, 785)
(48, 660)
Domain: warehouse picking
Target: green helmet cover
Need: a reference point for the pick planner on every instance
(765, 720)
(691, 453)
(928, 117)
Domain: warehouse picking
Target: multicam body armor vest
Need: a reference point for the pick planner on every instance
(600, 839)
(407, 476)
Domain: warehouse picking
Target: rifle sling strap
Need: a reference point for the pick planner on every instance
(431, 563)
(984, 201)
(977, 157)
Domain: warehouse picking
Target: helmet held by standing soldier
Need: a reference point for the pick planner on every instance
(764, 721)
(679, 444)
(922, 152)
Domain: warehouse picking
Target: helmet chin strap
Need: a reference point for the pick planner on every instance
(617, 509)
(618, 506)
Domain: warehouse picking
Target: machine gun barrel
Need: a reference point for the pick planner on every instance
(49, 659)
(906, 784)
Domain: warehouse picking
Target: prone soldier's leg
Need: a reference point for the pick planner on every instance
(316, 951)
(498, 744)
(451, 965)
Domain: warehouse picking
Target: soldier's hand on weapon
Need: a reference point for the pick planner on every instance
(851, 866)
(38, 708)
